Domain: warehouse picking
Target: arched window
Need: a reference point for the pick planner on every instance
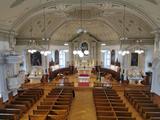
(62, 59)
(106, 58)
(113, 57)
(56, 57)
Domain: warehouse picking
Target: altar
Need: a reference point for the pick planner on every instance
(36, 75)
(84, 77)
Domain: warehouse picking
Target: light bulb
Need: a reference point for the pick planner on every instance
(103, 51)
(75, 52)
(120, 52)
(86, 52)
(103, 44)
(79, 52)
(66, 50)
(81, 55)
(29, 51)
(66, 44)
(34, 50)
(45, 54)
(42, 52)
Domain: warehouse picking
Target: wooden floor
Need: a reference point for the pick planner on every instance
(83, 107)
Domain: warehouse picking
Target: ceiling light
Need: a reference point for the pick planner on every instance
(81, 55)
(103, 44)
(79, 30)
(66, 44)
(103, 51)
(86, 52)
(66, 50)
(75, 52)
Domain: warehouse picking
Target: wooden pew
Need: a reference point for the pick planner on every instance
(105, 113)
(154, 118)
(37, 117)
(55, 106)
(106, 118)
(17, 112)
(143, 104)
(56, 117)
(40, 112)
(8, 116)
(26, 103)
(148, 115)
(123, 114)
(23, 108)
(103, 108)
(109, 106)
(44, 107)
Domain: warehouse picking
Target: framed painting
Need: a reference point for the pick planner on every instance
(36, 59)
(56, 57)
(134, 59)
(112, 57)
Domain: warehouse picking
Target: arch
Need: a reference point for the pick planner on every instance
(139, 12)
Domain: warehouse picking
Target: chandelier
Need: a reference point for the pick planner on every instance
(124, 38)
(81, 53)
(138, 48)
(32, 45)
(81, 29)
(46, 50)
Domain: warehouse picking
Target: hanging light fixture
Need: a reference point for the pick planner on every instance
(124, 36)
(79, 52)
(32, 45)
(81, 29)
(45, 51)
(138, 48)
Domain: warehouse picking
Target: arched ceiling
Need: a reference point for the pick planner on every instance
(102, 18)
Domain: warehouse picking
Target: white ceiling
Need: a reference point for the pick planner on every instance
(102, 18)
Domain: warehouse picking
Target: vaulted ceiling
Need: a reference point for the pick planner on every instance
(102, 18)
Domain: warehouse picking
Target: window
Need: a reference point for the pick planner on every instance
(62, 60)
(107, 59)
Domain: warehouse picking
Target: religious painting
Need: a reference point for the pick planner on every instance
(84, 46)
(134, 59)
(56, 57)
(36, 59)
(112, 57)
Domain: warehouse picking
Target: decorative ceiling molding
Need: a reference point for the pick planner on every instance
(16, 3)
(153, 2)
(33, 11)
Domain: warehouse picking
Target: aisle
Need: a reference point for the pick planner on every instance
(83, 107)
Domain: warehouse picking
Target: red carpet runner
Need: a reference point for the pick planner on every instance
(83, 84)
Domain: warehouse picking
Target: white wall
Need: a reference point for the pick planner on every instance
(144, 59)
(22, 48)
(148, 58)
(4, 46)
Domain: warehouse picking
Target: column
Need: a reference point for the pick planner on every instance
(12, 40)
(71, 54)
(155, 87)
(3, 82)
(98, 54)
(156, 42)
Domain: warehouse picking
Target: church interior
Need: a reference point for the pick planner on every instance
(80, 60)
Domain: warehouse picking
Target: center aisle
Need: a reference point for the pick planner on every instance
(83, 107)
